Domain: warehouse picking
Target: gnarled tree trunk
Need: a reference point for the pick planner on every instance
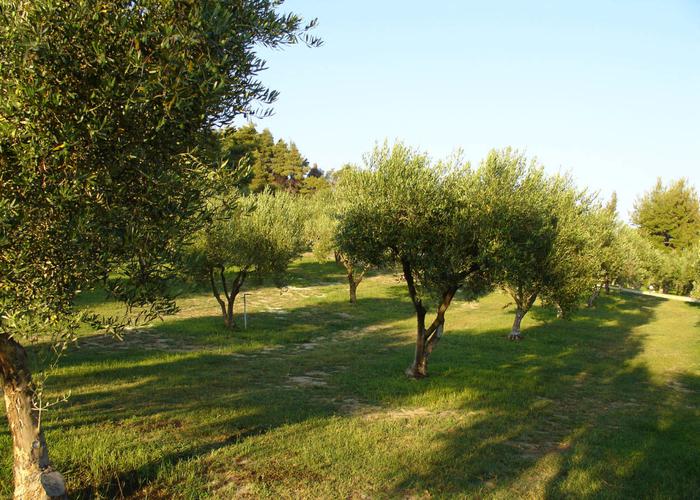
(230, 296)
(34, 478)
(426, 338)
(560, 311)
(353, 288)
(515, 331)
(354, 278)
(523, 305)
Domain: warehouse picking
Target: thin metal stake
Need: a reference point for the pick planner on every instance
(245, 312)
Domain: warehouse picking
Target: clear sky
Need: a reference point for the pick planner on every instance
(607, 90)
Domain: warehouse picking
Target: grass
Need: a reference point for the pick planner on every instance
(311, 401)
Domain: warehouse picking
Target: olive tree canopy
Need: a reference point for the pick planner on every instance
(103, 108)
(261, 233)
(539, 233)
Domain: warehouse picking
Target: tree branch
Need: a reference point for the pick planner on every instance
(215, 290)
(223, 282)
(412, 292)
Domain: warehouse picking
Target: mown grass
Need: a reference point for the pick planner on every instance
(311, 401)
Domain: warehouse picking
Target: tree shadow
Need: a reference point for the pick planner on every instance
(555, 403)
(323, 273)
(695, 306)
(543, 406)
(244, 376)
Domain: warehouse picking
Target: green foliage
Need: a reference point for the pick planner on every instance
(521, 224)
(676, 273)
(313, 184)
(694, 260)
(669, 216)
(104, 111)
(262, 234)
(609, 249)
(538, 229)
(326, 208)
(321, 226)
(404, 210)
(574, 262)
(642, 260)
(268, 164)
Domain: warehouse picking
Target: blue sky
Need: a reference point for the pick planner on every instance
(609, 91)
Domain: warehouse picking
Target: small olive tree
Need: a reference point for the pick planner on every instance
(642, 260)
(424, 218)
(540, 242)
(325, 210)
(261, 234)
(609, 247)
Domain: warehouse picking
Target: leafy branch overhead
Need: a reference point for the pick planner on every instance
(105, 112)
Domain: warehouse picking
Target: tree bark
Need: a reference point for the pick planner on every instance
(594, 296)
(426, 338)
(515, 331)
(560, 311)
(522, 308)
(419, 368)
(217, 296)
(34, 477)
(353, 289)
(227, 305)
(354, 278)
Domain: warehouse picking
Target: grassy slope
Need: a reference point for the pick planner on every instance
(311, 401)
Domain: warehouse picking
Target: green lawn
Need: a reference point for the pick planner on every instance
(311, 401)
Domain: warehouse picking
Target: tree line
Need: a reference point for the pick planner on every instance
(263, 163)
(667, 243)
(445, 228)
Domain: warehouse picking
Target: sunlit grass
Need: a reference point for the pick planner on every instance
(311, 401)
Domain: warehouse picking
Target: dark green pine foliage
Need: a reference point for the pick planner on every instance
(268, 164)
(669, 216)
(236, 147)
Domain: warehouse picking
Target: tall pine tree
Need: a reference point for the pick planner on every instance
(669, 216)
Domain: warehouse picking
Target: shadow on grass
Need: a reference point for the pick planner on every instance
(565, 404)
(243, 376)
(301, 273)
(695, 306)
(550, 405)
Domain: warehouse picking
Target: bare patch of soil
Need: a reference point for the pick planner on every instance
(144, 339)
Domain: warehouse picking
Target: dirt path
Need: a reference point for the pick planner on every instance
(680, 298)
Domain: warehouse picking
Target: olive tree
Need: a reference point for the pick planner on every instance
(642, 261)
(103, 109)
(540, 243)
(325, 210)
(261, 234)
(610, 250)
(403, 210)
